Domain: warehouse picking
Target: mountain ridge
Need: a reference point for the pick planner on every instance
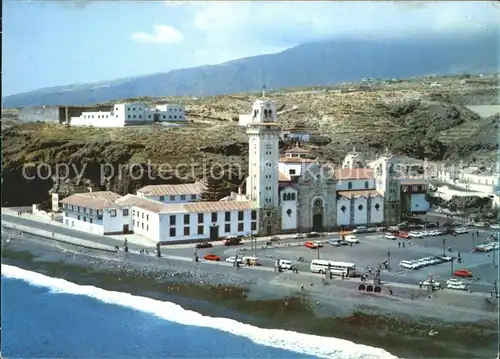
(319, 63)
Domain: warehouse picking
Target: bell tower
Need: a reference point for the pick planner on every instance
(388, 181)
(263, 159)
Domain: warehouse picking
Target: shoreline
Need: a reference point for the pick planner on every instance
(266, 299)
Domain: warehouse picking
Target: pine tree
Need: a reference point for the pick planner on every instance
(212, 189)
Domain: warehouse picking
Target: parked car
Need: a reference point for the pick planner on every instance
(414, 234)
(275, 239)
(408, 265)
(233, 259)
(312, 235)
(360, 229)
(298, 236)
(204, 245)
(456, 286)
(211, 257)
(454, 281)
(351, 239)
(285, 264)
(232, 241)
(310, 244)
(390, 236)
(435, 284)
(464, 273)
(318, 243)
(495, 226)
(445, 258)
(461, 230)
(403, 234)
(335, 242)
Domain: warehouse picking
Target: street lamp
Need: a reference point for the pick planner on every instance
(473, 243)
(444, 244)
(318, 251)
(389, 261)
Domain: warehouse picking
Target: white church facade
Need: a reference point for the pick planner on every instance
(285, 193)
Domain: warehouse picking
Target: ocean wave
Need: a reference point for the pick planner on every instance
(322, 347)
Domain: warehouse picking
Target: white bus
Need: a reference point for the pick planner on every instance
(337, 268)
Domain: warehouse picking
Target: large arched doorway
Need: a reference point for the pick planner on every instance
(317, 215)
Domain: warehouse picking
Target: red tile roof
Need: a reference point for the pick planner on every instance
(360, 193)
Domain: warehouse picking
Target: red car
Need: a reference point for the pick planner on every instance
(211, 257)
(465, 273)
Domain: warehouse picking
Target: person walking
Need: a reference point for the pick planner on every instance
(420, 284)
(399, 244)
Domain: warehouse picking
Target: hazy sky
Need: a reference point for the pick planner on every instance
(66, 42)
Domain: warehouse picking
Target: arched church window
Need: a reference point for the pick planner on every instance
(270, 112)
(288, 196)
(293, 196)
(366, 184)
(377, 206)
(360, 207)
(289, 212)
(255, 112)
(343, 208)
(265, 113)
(318, 203)
(284, 196)
(349, 185)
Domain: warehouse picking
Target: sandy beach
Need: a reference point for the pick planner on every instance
(442, 326)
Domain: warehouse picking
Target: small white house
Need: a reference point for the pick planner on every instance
(190, 221)
(97, 212)
(178, 193)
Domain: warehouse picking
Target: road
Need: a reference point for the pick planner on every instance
(67, 231)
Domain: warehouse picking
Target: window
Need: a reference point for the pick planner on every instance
(78, 217)
(147, 227)
(183, 197)
(162, 198)
(138, 214)
(90, 211)
(125, 212)
(172, 220)
(367, 184)
(227, 228)
(85, 219)
(253, 226)
(414, 188)
(128, 116)
(349, 185)
(240, 227)
(200, 229)
(186, 231)
(172, 232)
(133, 222)
(377, 206)
(343, 208)
(142, 215)
(112, 212)
(142, 225)
(135, 116)
(254, 215)
(90, 219)
(193, 197)
(228, 216)
(214, 216)
(293, 196)
(240, 215)
(78, 209)
(164, 116)
(140, 116)
(268, 214)
(292, 172)
(200, 217)
(289, 212)
(360, 207)
(420, 188)
(186, 219)
(172, 198)
(133, 212)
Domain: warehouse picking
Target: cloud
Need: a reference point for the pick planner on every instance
(163, 34)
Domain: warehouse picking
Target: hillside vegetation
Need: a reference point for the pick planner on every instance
(410, 118)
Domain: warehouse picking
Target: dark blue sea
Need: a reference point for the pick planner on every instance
(45, 317)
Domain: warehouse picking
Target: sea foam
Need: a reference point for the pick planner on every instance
(318, 346)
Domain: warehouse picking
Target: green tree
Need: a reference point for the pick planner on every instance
(213, 185)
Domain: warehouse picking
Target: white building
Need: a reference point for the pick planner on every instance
(181, 193)
(130, 114)
(189, 221)
(97, 212)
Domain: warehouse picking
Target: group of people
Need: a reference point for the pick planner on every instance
(402, 244)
